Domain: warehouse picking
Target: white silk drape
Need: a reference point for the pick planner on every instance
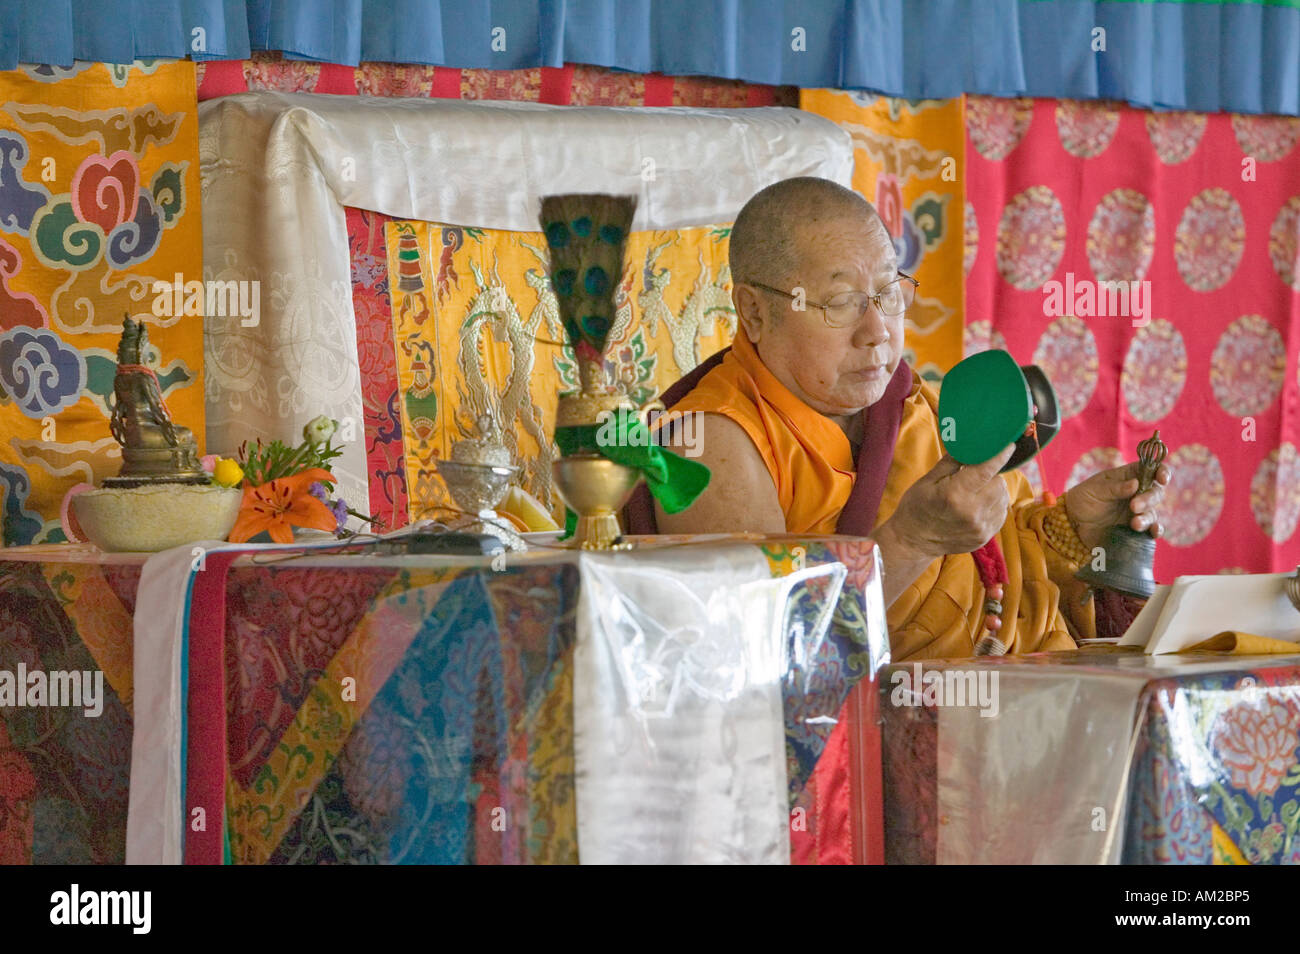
(278, 170)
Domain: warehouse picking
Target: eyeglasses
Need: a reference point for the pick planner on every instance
(847, 308)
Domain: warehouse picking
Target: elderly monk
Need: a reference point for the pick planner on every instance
(813, 423)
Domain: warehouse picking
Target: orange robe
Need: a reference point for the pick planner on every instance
(812, 465)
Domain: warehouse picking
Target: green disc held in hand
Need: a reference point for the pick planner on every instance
(984, 405)
(987, 402)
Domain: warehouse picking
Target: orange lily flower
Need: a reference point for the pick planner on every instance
(282, 504)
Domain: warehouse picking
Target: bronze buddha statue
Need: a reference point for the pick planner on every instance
(154, 448)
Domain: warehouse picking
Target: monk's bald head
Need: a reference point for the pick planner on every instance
(798, 249)
(765, 236)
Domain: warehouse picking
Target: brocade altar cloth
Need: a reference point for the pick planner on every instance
(64, 776)
(1098, 756)
(664, 705)
(1103, 755)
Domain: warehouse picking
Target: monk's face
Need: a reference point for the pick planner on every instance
(836, 371)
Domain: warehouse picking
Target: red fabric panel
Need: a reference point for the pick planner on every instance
(658, 89)
(803, 845)
(557, 85)
(205, 769)
(571, 84)
(844, 799)
(221, 78)
(446, 83)
(829, 825)
(334, 78)
(866, 787)
(377, 359)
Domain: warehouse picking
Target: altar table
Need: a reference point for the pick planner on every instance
(1100, 755)
(667, 703)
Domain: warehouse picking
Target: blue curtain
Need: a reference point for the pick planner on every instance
(1207, 56)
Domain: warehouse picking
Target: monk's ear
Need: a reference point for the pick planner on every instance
(749, 310)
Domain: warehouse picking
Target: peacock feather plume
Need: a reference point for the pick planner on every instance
(587, 235)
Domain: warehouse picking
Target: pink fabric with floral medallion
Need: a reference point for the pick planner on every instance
(1206, 209)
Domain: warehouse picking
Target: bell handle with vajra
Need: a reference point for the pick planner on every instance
(1151, 454)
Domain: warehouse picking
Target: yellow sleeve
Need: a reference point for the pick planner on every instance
(930, 619)
(942, 613)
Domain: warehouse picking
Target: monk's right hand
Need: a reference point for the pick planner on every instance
(953, 508)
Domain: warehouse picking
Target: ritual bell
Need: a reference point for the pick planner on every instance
(1128, 555)
(1128, 558)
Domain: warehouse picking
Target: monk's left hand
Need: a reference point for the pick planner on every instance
(1105, 499)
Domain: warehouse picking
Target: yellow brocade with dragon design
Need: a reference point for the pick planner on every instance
(476, 330)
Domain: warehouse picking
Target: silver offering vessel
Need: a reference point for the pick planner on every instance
(478, 476)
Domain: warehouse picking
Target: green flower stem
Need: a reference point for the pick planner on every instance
(1230, 808)
(1290, 832)
(293, 464)
(267, 462)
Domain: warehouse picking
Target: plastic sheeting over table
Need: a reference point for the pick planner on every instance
(679, 731)
(1099, 756)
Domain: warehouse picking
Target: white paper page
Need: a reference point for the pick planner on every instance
(1144, 624)
(1199, 607)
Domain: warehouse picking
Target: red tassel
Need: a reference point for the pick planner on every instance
(991, 564)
